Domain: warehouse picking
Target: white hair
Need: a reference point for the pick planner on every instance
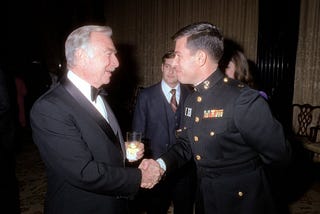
(80, 38)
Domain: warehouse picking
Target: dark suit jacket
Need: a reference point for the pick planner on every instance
(83, 158)
(151, 118)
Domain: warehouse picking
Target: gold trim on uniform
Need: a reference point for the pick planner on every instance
(213, 113)
(199, 99)
(196, 138)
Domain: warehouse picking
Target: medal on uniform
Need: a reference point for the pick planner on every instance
(213, 113)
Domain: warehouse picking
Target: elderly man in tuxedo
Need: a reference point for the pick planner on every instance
(78, 136)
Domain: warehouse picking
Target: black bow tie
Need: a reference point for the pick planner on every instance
(96, 91)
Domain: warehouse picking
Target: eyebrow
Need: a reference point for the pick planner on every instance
(113, 50)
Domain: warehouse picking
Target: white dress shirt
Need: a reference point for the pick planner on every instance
(166, 91)
(85, 89)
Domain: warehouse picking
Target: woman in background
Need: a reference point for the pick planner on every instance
(238, 68)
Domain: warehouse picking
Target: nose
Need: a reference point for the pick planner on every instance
(174, 63)
(115, 62)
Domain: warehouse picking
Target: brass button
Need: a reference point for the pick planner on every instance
(196, 139)
(199, 99)
(240, 194)
(198, 157)
(196, 119)
(225, 79)
(212, 133)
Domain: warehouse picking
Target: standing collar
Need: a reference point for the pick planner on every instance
(212, 80)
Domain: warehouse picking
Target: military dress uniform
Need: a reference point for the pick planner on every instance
(230, 132)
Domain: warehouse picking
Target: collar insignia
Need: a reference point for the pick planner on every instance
(206, 84)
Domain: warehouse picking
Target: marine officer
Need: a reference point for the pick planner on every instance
(228, 130)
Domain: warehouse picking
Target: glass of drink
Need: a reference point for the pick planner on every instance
(132, 145)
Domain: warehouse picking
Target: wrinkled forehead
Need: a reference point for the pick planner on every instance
(102, 41)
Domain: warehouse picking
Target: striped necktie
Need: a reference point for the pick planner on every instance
(173, 101)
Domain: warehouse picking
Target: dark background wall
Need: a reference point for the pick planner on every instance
(276, 56)
(33, 35)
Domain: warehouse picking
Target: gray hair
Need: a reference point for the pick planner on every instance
(80, 38)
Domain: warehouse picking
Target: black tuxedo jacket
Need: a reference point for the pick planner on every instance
(83, 157)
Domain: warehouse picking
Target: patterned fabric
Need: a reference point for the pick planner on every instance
(173, 101)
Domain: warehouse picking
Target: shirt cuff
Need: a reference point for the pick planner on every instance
(162, 164)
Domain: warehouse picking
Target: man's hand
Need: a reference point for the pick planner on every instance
(134, 151)
(141, 151)
(151, 173)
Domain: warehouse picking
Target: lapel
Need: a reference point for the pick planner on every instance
(92, 111)
(161, 98)
(118, 132)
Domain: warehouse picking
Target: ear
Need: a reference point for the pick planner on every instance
(81, 57)
(201, 57)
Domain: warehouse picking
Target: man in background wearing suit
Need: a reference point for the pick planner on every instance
(78, 136)
(157, 115)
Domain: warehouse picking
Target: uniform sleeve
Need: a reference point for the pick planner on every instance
(180, 153)
(259, 129)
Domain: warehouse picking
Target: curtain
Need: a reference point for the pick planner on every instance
(307, 73)
(146, 27)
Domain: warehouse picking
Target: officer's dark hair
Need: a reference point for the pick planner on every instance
(169, 55)
(204, 36)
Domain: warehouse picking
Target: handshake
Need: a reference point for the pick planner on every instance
(151, 170)
(151, 173)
